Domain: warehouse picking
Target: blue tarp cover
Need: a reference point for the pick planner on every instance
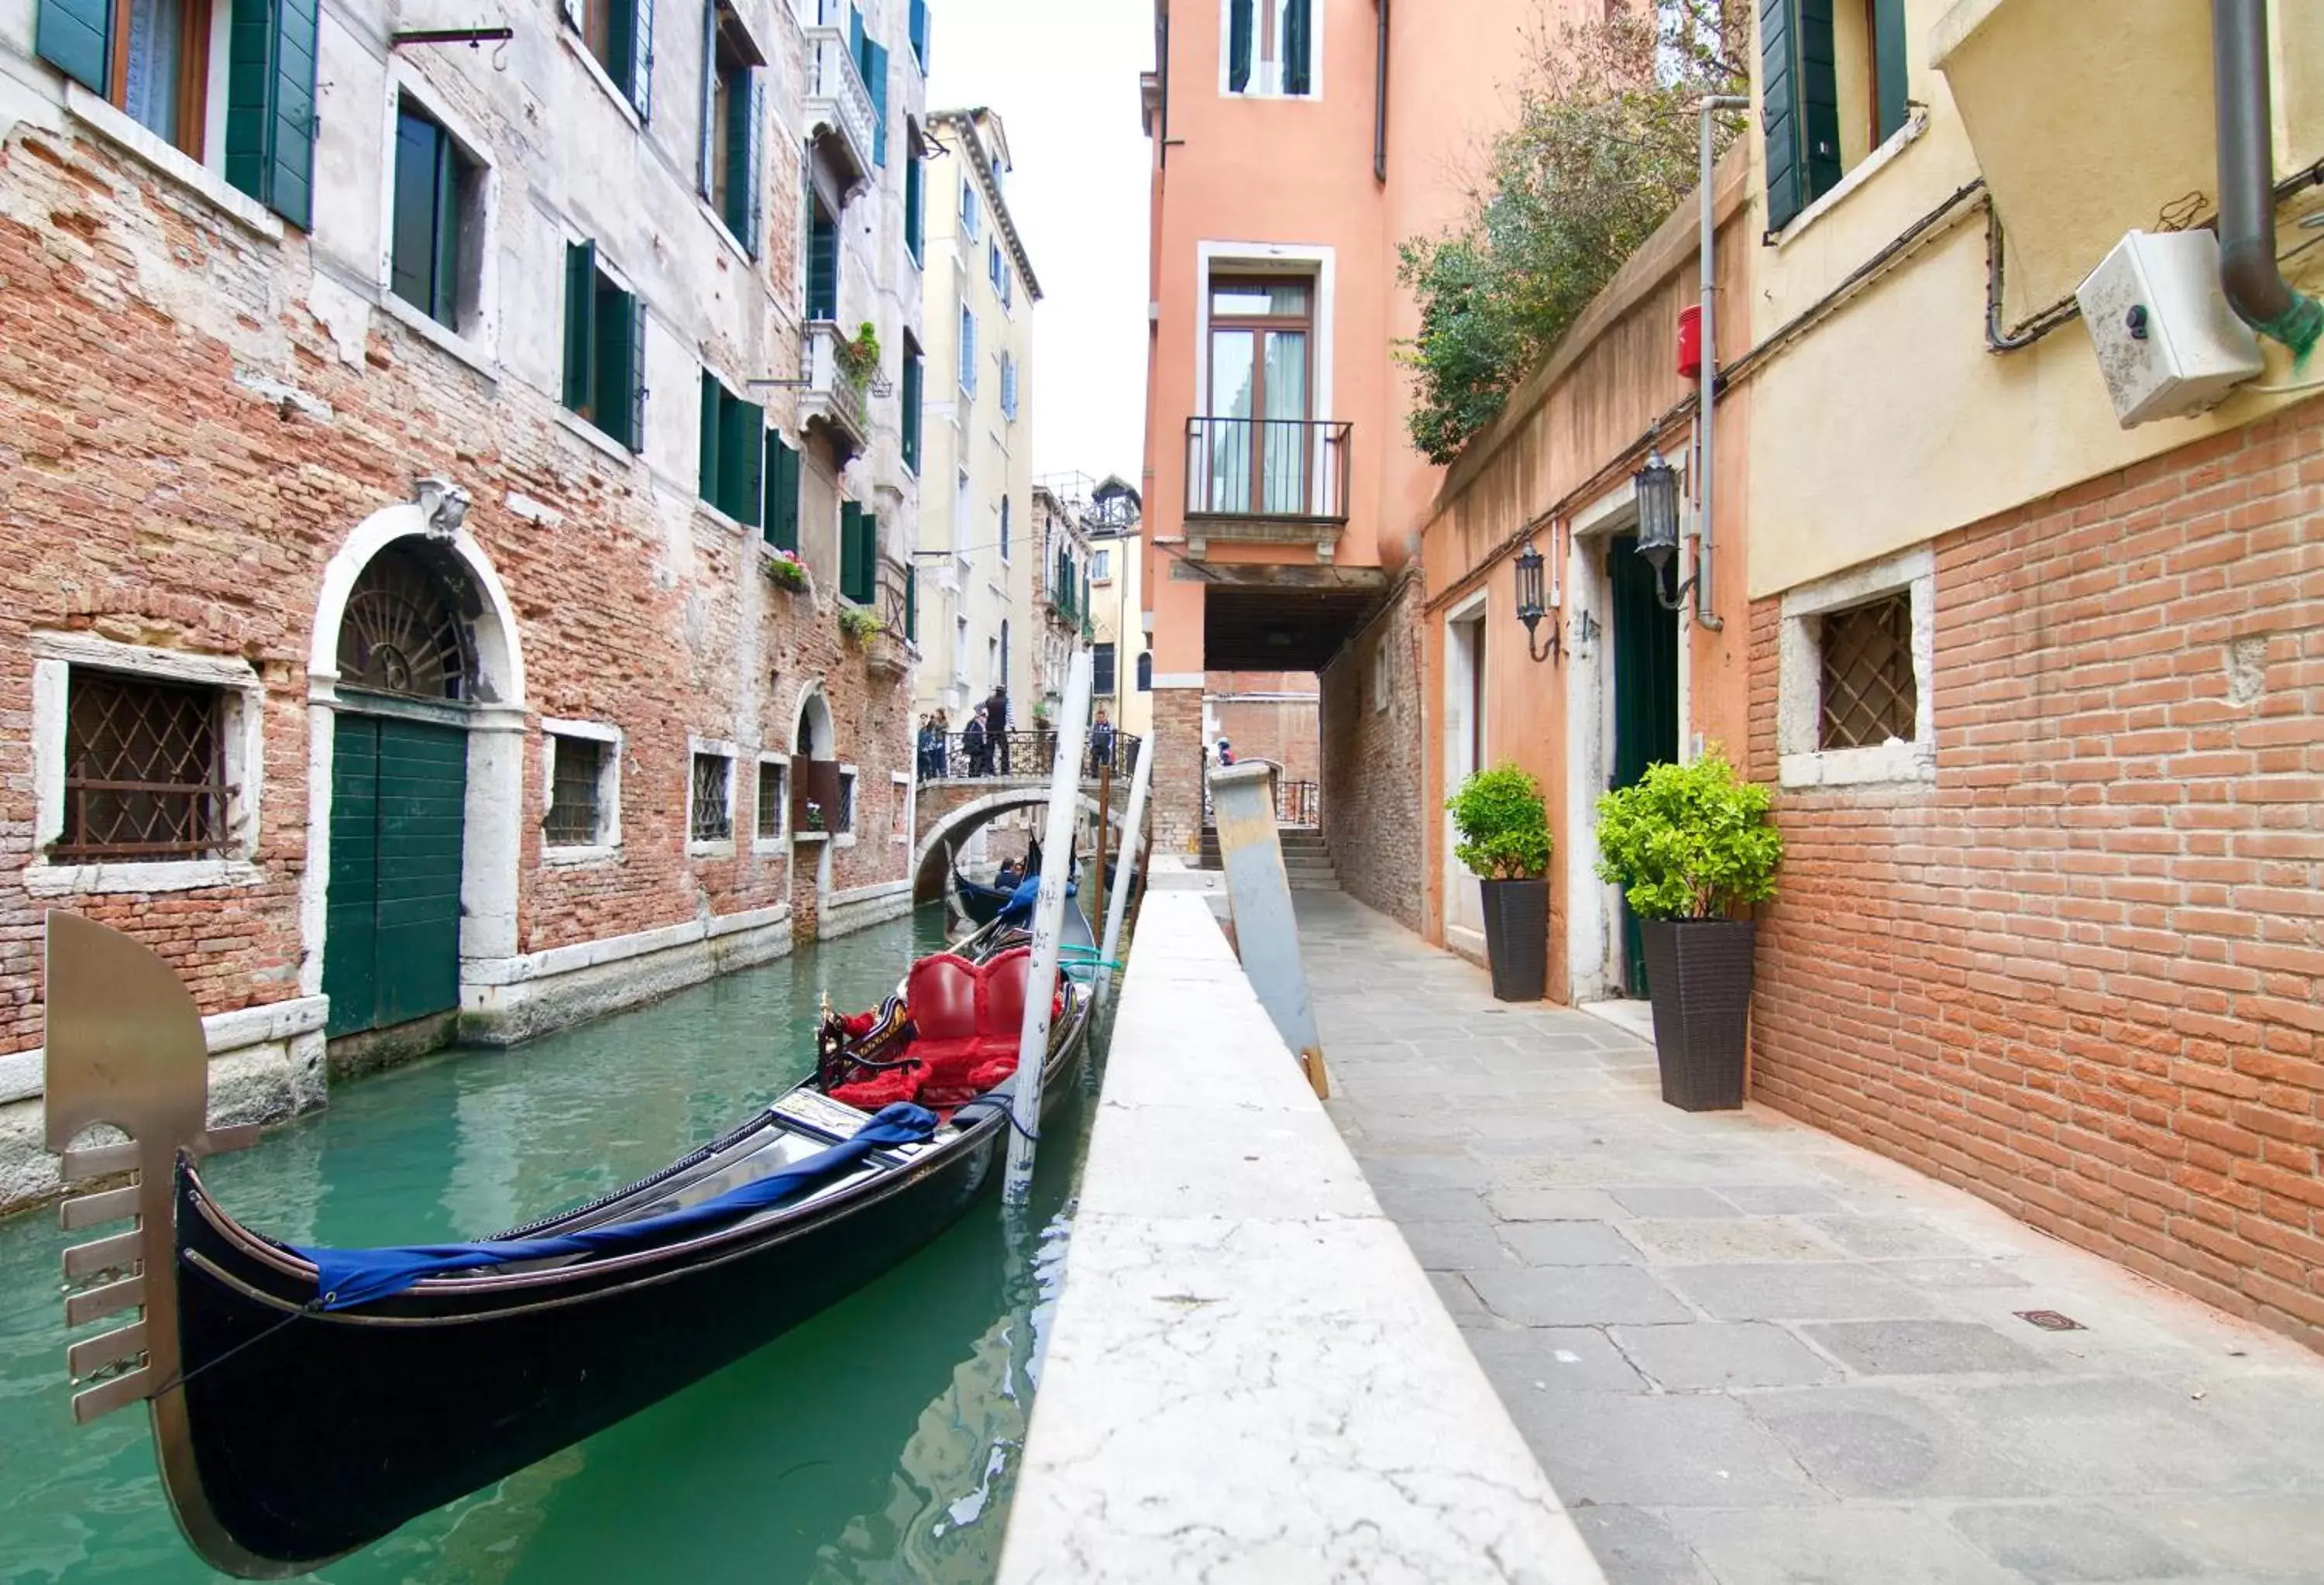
(346, 1278)
(1018, 909)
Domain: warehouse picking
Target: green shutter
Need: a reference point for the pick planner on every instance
(912, 604)
(753, 183)
(780, 479)
(580, 326)
(916, 30)
(639, 75)
(443, 304)
(867, 590)
(1239, 32)
(1890, 76)
(822, 267)
(1800, 89)
(910, 417)
(703, 184)
(739, 459)
(619, 392)
(1299, 70)
(711, 404)
(270, 120)
(851, 548)
(875, 77)
(410, 274)
(636, 374)
(75, 37)
(915, 196)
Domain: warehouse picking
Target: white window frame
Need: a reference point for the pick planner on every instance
(241, 729)
(906, 799)
(967, 359)
(1317, 263)
(1100, 564)
(1267, 76)
(852, 800)
(716, 848)
(779, 843)
(962, 643)
(1008, 385)
(478, 344)
(1799, 700)
(608, 845)
(972, 203)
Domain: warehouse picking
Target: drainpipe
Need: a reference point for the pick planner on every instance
(2254, 288)
(1708, 398)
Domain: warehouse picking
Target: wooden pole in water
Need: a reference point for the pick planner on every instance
(1104, 813)
(1048, 926)
(1141, 777)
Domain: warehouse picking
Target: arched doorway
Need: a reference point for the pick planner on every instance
(408, 678)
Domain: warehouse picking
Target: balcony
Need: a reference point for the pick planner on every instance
(841, 121)
(1266, 481)
(830, 397)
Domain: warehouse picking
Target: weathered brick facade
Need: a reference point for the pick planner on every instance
(1179, 768)
(2079, 975)
(1372, 737)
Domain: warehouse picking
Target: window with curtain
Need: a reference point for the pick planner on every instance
(1270, 46)
(1260, 443)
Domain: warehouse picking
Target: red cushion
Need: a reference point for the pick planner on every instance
(941, 993)
(877, 1090)
(1000, 1008)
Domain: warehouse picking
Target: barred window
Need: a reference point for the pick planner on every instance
(845, 823)
(1866, 658)
(774, 799)
(574, 814)
(144, 771)
(714, 820)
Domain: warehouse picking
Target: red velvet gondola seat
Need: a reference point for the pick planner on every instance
(966, 1019)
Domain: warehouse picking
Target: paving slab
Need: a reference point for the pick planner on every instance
(1747, 1352)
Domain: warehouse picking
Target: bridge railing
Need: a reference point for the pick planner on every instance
(1297, 803)
(1030, 753)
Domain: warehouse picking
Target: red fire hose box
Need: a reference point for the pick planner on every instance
(1689, 342)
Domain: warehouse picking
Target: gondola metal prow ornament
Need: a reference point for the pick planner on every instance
(1048, 925)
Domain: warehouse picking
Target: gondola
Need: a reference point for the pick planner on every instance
(306, 1403)
(982, 903)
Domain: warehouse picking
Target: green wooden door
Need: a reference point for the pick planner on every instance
(393, 951)
(1646, 697)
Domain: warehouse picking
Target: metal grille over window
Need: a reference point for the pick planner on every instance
(1869, 694)
(403, 633)
(774, 799)
(573, 793)
(145, 778)
(713, 821)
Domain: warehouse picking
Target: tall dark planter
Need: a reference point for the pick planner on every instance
(1699, 974)
(1517, 938)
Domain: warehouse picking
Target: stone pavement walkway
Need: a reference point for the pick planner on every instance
(1745, 1352)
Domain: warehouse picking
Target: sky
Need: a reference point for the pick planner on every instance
(1063, 76)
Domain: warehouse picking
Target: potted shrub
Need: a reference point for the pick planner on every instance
(1504, 842)
(859, 359)
(1688, 845)
(859, 625)
(787, 571)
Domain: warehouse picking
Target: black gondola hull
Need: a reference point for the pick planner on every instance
(329, 1431)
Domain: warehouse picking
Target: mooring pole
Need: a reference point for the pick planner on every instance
(1048, 926)
(1104, 813)
(1141, 777)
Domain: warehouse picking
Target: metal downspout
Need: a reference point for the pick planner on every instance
(1707, 397)
(2254, 288)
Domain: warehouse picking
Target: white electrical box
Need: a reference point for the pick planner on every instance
(2167, 341)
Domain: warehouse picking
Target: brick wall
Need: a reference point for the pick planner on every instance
(2081, 975)
(1371, 760)
(183, 446)
(1178, 771)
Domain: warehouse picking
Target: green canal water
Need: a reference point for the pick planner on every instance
(878, 1442)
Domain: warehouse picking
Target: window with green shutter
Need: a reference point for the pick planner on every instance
(1243, 23)
(875, 79)
(436, 182)
(1822, 120)
(734, 116)
(780, 480)
(269, 111)
(917, 30)
(733, 451)
(620, 34)
(604, 347)
(909, 396)
(912, 604)
(821, 261)
(149, 58)
(1891, 98)
(859, 553)
(916, 198)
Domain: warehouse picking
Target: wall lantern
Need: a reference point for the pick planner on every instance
(1530, 609)
(1657, 488)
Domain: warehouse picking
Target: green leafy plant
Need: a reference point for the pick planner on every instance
(1042, 712)
(1603, 147)
(859, 625)
(859, 359)
(1689, 841)
(787, 571)
(1503, 823)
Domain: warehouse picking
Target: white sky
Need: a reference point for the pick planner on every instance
(1063, 76)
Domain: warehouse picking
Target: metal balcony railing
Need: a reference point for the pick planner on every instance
(830, 393)
(1019, 753)
(1294, 470)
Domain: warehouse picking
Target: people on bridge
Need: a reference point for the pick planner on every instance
(1101, 739)
(996, 729)
(974, 744)
(932, 746)
(1226, 753)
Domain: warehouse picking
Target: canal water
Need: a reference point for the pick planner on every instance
(878, 1442)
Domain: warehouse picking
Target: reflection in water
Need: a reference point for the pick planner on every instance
(878, 1442)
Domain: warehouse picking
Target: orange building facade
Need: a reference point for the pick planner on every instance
(1295, 144)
